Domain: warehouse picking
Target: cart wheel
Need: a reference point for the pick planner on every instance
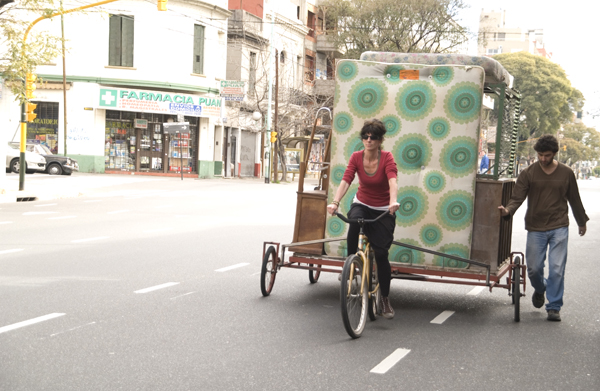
(313, 275)
(268, 271)
(516, 288)
(375, 298)
(354, 303)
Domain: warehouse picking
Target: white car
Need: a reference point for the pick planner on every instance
(34, 161)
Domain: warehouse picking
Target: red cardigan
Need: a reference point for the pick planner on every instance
(372, 190)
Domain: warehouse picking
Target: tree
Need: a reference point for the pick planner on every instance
(579, 143)
(16, 57)
(548, 99)
(425, 26)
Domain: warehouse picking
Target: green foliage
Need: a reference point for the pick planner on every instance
(582, 143)
(548, 97)
(425, 26)
(596, 171)
(19, 57)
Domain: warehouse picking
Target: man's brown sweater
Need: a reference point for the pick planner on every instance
(547, 196)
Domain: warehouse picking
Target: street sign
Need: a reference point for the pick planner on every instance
(176, 127)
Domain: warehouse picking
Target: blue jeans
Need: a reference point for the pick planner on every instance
(555, 242)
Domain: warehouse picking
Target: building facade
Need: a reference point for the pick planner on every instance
(498, 38)
(129, 70)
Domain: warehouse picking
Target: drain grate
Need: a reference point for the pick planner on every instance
(25, 199)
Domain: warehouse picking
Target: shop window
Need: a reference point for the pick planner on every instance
(120, 41)
(198, 49)
(44, 129)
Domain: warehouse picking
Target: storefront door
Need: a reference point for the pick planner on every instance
(151, 146)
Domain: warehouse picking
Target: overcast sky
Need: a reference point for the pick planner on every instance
(570, 34)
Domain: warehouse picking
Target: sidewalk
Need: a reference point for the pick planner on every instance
(42, 187)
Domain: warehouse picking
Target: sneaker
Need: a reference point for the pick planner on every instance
(554, 315)
(388, 311)
(538, 299)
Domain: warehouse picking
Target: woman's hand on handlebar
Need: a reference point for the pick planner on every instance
(394, 206)
(332, 208)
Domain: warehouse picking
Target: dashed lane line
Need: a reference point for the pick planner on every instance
(61, 217)
(74, 328)
(5, 222)
(441, 318)
(89, 239)
(225, 269)
(14, 250)
(157, 287)
(40, 206)
(185, 294)
(37, 213)
(29, 322)
(390, 361)
(475, 291)
(93, 201)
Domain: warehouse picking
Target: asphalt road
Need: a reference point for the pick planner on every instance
(154, 284)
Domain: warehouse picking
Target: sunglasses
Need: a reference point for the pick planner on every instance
(370, 136)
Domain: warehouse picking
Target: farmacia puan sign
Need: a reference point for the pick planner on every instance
(159, 102)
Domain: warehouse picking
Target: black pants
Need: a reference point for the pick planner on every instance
(380, 234)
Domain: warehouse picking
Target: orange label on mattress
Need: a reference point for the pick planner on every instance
(409, 74)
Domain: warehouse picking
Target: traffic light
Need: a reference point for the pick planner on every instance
(30, 111)
(30, 85)
(162, 5)
(273, 137)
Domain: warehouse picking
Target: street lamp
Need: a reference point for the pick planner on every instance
(256, 115)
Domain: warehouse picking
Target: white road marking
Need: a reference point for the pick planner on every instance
(93, 201)
(39, 206)
(185, 294)
(5, 222)
(255, 274)
(157, 287)
(441, 318)
(157, 230)
(37, 213)
(390, 361)
(475, 291)
(232, 267)
(74, 328)
(14, 250)
(89, 239)
(61, 217)
(118, 211)
(163, 206)
(29, 322)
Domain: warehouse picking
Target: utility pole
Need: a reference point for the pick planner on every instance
(268, 165)
(275, 127)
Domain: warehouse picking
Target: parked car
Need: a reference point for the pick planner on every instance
(34, 161)
(55, 164)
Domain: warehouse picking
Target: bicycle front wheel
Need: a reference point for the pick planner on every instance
(354, 300)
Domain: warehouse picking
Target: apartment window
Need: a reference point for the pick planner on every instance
(120, 41)
(282, 57)
(252, 72)
(310, 23)
(493, 51)
(198, 49)
(309, 64)
(501, 36)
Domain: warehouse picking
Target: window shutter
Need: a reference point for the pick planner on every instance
(198, 49)
(127, 41)
(114, 41)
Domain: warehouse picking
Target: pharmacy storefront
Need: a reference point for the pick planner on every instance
(135, 140)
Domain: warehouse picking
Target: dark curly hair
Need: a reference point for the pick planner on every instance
(373, 127)
(546, 143)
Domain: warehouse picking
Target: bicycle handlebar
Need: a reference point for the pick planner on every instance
(359, 221)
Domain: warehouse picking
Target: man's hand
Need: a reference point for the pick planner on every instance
(582, 230)
(503, 210)
(394, 206)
